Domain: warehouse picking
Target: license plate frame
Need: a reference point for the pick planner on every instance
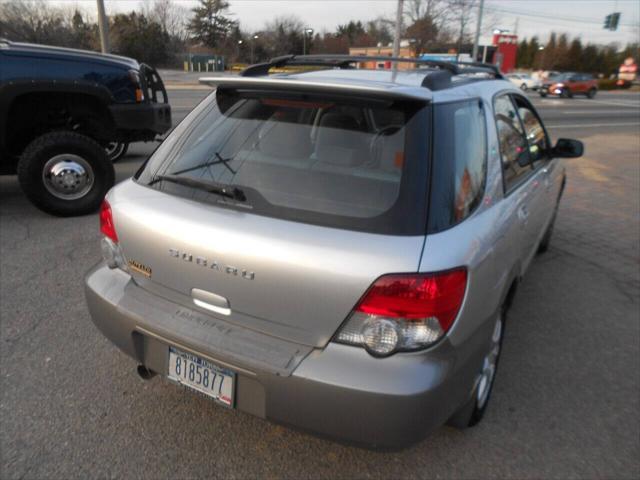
(220, 382)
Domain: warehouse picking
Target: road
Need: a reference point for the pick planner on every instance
(566, 403)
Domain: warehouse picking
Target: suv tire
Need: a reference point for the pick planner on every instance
(65, 173)
(116, 150)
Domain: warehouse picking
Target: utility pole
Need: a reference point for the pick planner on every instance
(474, 55)
(305, 32)
(398, 31)
(103, 24)
(253, 39)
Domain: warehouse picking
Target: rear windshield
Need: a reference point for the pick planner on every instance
(341, 162)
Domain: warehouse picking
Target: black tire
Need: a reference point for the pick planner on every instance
(524, 87)
(116, 150)
(543, 94)
(592, 93)
(44, 150)
(472, 412)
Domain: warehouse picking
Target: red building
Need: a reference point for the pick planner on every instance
(506, 50)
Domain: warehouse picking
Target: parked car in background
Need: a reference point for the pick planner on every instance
(569, 84)
(300, 249)
(524, 81)
(66, 114)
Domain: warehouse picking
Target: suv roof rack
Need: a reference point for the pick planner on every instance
(438, 80)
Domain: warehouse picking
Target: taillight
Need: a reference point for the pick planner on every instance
(405, 312)
(111, 251)
(106, 222)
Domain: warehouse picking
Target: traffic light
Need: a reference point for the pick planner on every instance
(611, 21)
(615, 19)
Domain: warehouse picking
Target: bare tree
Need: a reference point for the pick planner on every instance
(461, 18)
(283, 35)
(436, 10)
(173, 18)
(35, 21)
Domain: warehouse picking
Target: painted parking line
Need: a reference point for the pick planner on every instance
(595, 125)
(601, 112)
(632, 104)
(583, 102)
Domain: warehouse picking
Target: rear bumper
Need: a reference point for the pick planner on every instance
(139, 119)
(338, 391)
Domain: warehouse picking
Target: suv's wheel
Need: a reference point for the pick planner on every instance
(524, 87)
(65, 173)
(116, 150)
(473, 411)
(591, 93)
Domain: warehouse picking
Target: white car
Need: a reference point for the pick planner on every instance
(523, 81)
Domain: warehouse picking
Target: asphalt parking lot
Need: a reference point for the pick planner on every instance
(566, 403)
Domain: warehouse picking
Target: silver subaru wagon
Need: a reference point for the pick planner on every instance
(334, 249)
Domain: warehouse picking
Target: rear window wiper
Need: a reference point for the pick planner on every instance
(223, 190)
(209, 163)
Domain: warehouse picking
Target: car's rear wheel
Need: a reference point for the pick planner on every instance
(591, 93)
(543, 94)
(473, 411)
(524, 87)
(65, 173)
(116, 150)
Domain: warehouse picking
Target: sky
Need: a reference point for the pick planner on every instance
(582, 18)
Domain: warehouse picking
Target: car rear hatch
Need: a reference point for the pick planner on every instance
(332, 195)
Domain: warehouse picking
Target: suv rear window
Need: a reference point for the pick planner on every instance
(350, 163)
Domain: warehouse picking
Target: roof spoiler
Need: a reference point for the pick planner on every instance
(295, 85)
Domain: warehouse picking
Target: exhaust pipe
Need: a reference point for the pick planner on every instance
(145, 373)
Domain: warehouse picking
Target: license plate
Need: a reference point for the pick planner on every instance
(202, 375)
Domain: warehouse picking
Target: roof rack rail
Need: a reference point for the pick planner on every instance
(347, 61)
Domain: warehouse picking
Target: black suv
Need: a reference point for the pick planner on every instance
(63, 112)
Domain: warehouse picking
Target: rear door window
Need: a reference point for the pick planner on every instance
(459, 163)
(351, 163)
(514, 149)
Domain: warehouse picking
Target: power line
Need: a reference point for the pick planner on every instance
(553, 17)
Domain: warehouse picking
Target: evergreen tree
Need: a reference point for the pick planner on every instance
(209, 24)
(522, 56)
(134, 35)
(574, 56)
(534, 48)
(548, 57)
(589, 59)
(561, 53)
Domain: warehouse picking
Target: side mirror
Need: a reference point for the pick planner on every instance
(568, 148)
